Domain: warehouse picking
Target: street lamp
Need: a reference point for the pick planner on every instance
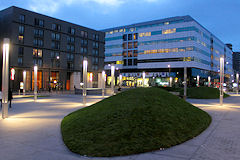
(113, 78)
(170, 78)
(185, 83)
(143, 75)
(120, 80)
(84, 92)
(198, 78)
(237, 79)
(35, 82)
(24, 82)
(103, 83)
(5, 77)
(209, 81)
(221, 79)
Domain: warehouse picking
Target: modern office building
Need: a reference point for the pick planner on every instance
(57, 47)
(162, 48)
(236, 62)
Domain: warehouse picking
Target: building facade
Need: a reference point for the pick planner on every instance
(162, 48)
(57, 47)
(236, 62)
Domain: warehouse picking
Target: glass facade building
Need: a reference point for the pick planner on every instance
(161, 48)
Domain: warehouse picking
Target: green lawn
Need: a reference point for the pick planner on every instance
(198, 92)
(204, 93)
(135, 121)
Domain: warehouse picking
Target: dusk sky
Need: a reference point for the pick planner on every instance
(221, 17)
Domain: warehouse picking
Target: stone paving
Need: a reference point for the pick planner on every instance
(32, 132)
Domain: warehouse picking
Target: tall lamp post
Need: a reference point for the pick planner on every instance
(113, 78)
(144, 76)
(103, 83)
(24, 82)
(120, 80)
(84, 92)
(35, 82)
(170, 78)
(185, 83)
(198, 78)
(221, 79)
(237, 79)
(5, 77)
(209, 81)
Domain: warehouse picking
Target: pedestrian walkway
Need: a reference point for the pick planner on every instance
(32, 132)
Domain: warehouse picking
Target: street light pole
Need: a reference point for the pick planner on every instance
(143, 75)
(113, 78)
(84, 92)
(198, 78)
(185, 83)
(170, 78)
(103, 83)
(237, 79)
(120, 81)
(35, 82)
(5, 77)
(209, 81)
(221, 79)
(24, 82)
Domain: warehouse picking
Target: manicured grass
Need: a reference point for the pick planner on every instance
(135, 121)
(198, 92)
(204, 93)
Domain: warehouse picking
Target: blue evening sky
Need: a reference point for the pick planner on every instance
(221, 17)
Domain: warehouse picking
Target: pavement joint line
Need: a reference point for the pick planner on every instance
(172, 156)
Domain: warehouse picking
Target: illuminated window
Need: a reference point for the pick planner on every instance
(119, 62)
(168, 31)
(130, 53)
(124, 54)
(187, 59)
(20, 39)
(120, 30)
(124, 45)
(130, 45)
(115, 31)
(166, 23)
(146, 34)
(35, 52)
(39, 53)
(135, 36)
(135, 53)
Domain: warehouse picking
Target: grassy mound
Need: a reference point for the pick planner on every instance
(134, 121)
(204, 93)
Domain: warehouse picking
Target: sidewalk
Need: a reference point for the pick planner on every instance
(32, 132)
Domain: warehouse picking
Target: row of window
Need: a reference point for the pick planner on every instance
(57, 27)
(130, 45)
(130, 62)
(166, 31)
(38, 54)
(144, 26)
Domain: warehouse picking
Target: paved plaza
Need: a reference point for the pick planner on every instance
(32, 131)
